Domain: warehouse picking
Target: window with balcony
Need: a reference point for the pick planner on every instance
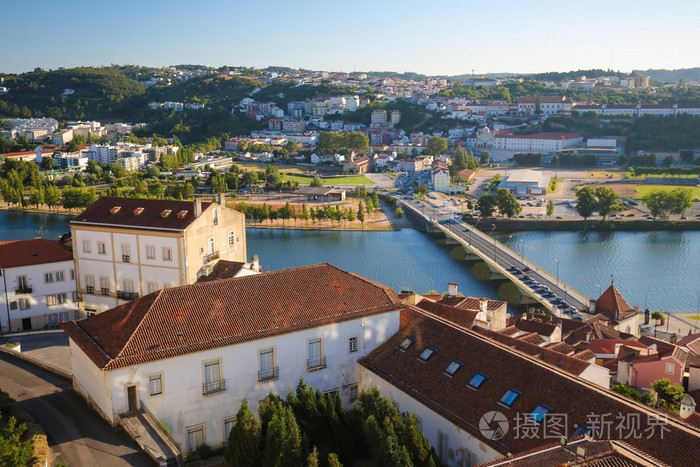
(104, 285)
(126, 253)
(267, 370)
(89, 284)
(316, 360)
(23, 285)
(213, 383)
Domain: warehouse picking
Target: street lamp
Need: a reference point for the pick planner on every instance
(557, 261)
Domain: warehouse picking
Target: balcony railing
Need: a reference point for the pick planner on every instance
(104, 291)
(316, 363)
(90, 289)
(213, 387)
(127, 295)
(269, 374)
(25, 289)
(210, 257)
(126, 259)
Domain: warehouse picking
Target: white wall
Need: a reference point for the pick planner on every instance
(38, 298)
(598, 375)
(90, 382)
(183, 405)
(464, 449)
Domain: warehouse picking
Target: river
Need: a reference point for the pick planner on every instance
(659, 270)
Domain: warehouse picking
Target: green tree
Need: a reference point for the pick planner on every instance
(607, 201)
(52, 196)
(681, 200)
(117, 170)
(507, 204)
(550, 208)
(486, 204)
(485, 157)
(305, 213)
(361, 214)
(155, 188)
(36, 196)
(399, 213)
(291, 147)
(152, 172)
(244, 441)
(627, 392)
(249, 178)
(422, 190)
(658, 202)
(586, 203)
(47, 163)
(14, 451)
(316, 182)
(333, 460)
(436, 145)
(77, 181)
(669, 392)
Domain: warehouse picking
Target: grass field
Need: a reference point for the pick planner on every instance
(348, 180)
(644, 189)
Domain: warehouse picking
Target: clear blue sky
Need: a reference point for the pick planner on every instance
(433, 37)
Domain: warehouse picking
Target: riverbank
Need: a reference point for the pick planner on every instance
(596, 225)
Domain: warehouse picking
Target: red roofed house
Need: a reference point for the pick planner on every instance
(125, 248)
(639, 368)
(191, 354)
(37, 284)
(612, 308)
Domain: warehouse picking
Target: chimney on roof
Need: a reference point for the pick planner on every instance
(452, 289)
(222, 199)
(197, 208)
(588, 335)
(483, 304)
(687, 407)
(256, 264)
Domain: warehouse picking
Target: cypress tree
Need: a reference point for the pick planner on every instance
(244, 440)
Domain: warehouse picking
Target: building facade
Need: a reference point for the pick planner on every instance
(37, 287)
(126, 248)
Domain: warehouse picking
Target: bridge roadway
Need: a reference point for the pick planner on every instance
(494, 253)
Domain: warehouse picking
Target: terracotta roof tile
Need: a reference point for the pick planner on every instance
(192, 318)
(611, 302)
(17, 253)
(103, 211)
(223, 270)
(507, 368)
(458, 316)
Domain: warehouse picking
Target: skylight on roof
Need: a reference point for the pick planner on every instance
(165, 213)
(427, 353)
(478, 380)
(406, 343)
(115, 209)
(182, 214)
(510, 396)
(540, 411)
(138, 211)
(453, 367)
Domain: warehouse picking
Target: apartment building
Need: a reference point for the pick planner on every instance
(125, 248)
(37, 284)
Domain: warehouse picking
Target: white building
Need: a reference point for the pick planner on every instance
(125, 248)
(526, 181)
(539, 142)
(191, 354)
(37, 284)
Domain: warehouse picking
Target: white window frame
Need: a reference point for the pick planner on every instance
(48, 277)
(128, 285)
(167, 254)
(224, 422)
(356, 340)
(150, 252)
(273, 361)
(670, 366)
(152, 287)
(193, 430)
(353, 392)
(24, 304)
(101, 248)
(60, 276)
(87, 246)
(22, 282)
(443, 447)
(151, 379)
(208, 377)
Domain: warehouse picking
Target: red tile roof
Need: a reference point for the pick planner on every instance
(611, 302)
(223, 270)
(192, 318)
(102, 212)
(472, 303)
(29, 252)
(607, 346)
(458, 316)
(539, 382)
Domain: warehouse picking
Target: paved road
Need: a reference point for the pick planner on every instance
(77, 435)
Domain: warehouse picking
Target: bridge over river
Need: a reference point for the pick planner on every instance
(500, 259)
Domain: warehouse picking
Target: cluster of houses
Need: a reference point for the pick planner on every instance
(167, 317)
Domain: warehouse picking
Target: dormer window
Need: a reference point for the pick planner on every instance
(407, 343)
(115, 209)
(453, 367)
(427, 353)
(510, 396)
(477, 380)
(182, 214)
(165, 213)
(138, 211)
